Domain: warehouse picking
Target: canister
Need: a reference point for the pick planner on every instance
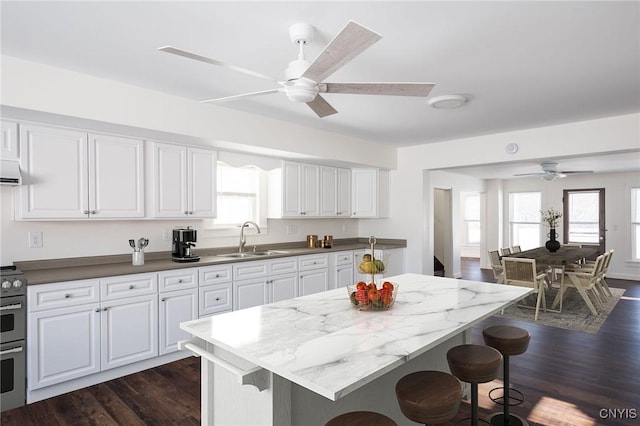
(312, 241)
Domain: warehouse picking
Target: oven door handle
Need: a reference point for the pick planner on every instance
(15, 306)
(11, 351)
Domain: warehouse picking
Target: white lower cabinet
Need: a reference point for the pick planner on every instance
(214, 289)
(175, 307)
(63, 344)
(314, 274)
(266, 281)
(343, 269)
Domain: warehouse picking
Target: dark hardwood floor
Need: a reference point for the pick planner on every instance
(568, 378)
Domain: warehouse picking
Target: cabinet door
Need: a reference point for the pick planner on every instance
(310, 190)
(364, 192)
(55, 181)
(202, 182)
(313, 281)
(343, 195)
(63, 344)
(9, 140)
(328, 191)
(344, 275)
(177, 279)
(247, 294)
(116, 178)
(175, 307)
(283, 287)
(214, 299)
(290, 189)
(129, 330)
(170, 163)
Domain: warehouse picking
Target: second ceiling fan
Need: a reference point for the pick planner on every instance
(304, 80)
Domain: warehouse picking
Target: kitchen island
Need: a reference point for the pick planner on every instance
(304, 360)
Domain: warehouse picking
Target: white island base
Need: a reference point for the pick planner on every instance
(226, 402)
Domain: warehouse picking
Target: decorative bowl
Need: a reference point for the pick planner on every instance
(364, 298)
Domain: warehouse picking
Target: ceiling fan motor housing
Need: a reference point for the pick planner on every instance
(303, 90)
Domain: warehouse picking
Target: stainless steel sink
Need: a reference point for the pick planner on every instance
(252, 253)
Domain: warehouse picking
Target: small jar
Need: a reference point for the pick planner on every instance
(137, 258)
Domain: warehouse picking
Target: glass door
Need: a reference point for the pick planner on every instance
(583, 217)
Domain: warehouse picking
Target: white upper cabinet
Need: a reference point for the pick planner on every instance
(294, 190)
(335, 192)
(370, 193)
(185, 181)
(9, 140)
(70, 174)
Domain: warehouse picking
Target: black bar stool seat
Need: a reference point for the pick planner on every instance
(429, 397)
(474, 364)
(509, 341)
(361, 418)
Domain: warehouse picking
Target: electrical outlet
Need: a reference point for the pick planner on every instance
(35, 239)
(166, 234)
(292, 229)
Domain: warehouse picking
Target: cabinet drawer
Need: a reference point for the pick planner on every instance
(245, 270)
(344, 258)
(283, 266)
(313, 261)
(60, 295)
(214, 274)
(177, 280)
(128, 286)
(214, 298)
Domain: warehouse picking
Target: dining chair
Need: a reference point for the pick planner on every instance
(496, 266)
(585, 281)
(523, 273)
(505, 251)
(516, 249)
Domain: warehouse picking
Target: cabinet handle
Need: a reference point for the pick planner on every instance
(85, 212)
(338, 213)
(163, 299)
(92, 212)
(217, 299)
(66, 296)
(97, 309)
(131, 287)
(179, 280)
(217, 275)
(104, 309)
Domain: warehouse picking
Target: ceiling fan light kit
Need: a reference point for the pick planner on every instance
(304, 80)
(447, 101)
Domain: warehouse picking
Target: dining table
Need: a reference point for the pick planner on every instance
(559, 259)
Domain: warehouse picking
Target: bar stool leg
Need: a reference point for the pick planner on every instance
(505, 418)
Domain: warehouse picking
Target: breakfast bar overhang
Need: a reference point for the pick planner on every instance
(305, 360)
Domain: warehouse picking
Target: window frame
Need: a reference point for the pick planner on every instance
(635, 224)
(469, 222)
(537, 222)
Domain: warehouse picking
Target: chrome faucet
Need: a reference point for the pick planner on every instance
(243, 239)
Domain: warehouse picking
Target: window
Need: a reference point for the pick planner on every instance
(524, 219)
(239, 195)
(471, 214)
(583, 216)
(635, 224)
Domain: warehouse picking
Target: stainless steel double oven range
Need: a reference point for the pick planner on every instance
(13, 345)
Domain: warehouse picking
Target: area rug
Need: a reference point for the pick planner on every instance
(575, 314)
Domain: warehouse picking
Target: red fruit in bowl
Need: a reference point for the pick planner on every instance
(362, 297)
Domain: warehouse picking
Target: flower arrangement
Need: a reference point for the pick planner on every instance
(551, 217)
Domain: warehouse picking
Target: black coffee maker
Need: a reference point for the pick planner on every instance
(183, 240)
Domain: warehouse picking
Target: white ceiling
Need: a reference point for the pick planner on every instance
(521, 64)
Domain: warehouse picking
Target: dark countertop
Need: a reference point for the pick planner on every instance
(81, 268)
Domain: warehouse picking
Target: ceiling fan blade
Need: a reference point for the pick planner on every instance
(321, 107)
(575, 172)
(244, 95)
(184, 53)
(530, 174)
(349, 43)
(389, 89)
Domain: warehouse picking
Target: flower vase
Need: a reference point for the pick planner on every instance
(553, 244)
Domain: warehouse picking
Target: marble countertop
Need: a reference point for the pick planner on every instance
(322, 343)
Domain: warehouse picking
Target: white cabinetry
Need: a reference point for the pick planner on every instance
(314, 274)
(185, 181)
(335, 192)
(83, 327)
(294, 190)
(215, 290)
(260, 282)
(70, 174)
(370, 193)
(343, 269)
(178, 302)
(9, 140)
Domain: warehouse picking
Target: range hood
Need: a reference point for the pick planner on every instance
(10, 173)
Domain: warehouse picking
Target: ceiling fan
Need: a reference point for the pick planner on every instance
(550, 172)
(304, 80)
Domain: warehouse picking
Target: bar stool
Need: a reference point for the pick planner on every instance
(429, 397)
(509, 341)
(361, 418)
(474, 364)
